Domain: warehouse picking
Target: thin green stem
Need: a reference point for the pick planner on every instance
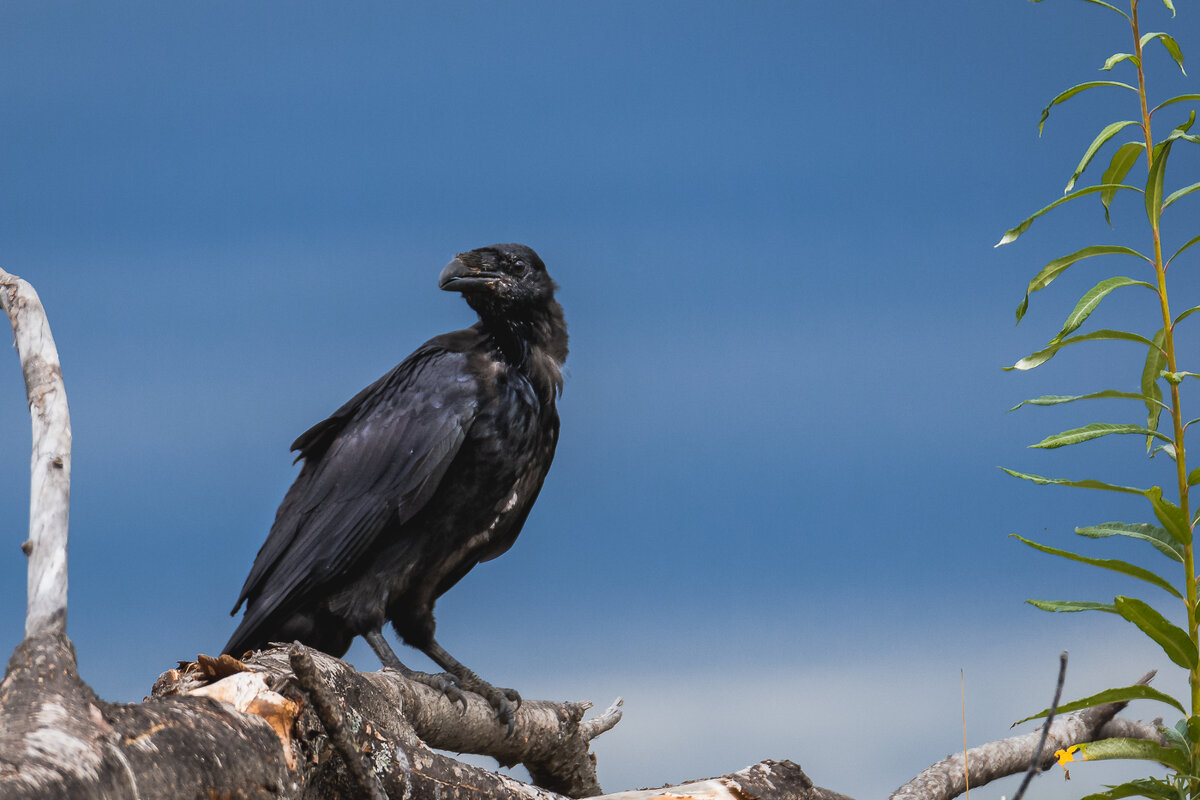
(1160, 272)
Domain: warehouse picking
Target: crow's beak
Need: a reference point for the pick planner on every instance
(459, 277)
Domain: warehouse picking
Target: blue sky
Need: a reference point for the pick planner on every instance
(775, 523)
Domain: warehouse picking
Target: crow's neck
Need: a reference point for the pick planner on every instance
(535, 343)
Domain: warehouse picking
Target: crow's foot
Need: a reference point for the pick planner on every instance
(444, 682)
(504, 701)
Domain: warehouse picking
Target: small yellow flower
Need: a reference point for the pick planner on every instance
(1067, 756)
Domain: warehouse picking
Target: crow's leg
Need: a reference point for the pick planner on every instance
(505, 701)
(444, 683)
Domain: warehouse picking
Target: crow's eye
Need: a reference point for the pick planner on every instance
(519, 267)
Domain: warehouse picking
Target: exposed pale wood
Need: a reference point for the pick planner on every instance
(50, 464)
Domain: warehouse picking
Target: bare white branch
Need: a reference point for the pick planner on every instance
(50, 465)
(947, 779)
(602, 722)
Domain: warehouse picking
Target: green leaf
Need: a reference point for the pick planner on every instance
(1156, 359)
(1162, 541)
(1190, 242)
(1048, 273)
(1173, 196)
(1013, 233)
(1117, 58)
(1122, 161)
(1112, 564)
(1124, 694)
(1074, 90)
(1172, 639)
(1169, 449)
(1101, 139)
(1138, 749)
(1090, 300)
(1182, 98)
(1071, 606)
(1042, 356)
(1093, 431)
(1170, 6)
(1086, 483)
(1059, 399)
(1139, 787)
(1170, 515)
(1177, 735)
(1169, 43)
(1154, 183)
(1189, 730)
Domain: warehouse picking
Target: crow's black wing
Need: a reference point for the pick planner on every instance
(376, 460)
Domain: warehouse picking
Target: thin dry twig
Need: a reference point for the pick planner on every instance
(1036, 762)
(331, 718)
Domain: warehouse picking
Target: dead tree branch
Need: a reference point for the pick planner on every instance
(946, 779)
(331, 717)
(767, 780)
(50, 464)
(549, 738)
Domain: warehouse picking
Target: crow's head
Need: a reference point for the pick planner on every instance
(500, 281)
(508, 287)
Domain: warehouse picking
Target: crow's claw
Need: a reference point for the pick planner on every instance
(514, 697)
(507, 716)
(504, 701)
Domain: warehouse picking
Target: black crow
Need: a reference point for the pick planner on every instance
(419, 477)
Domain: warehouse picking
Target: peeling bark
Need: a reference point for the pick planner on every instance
(58, 739)
(547, 737)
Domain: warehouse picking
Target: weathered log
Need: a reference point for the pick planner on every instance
(551, 739)
(58, 739)
(220, 728)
